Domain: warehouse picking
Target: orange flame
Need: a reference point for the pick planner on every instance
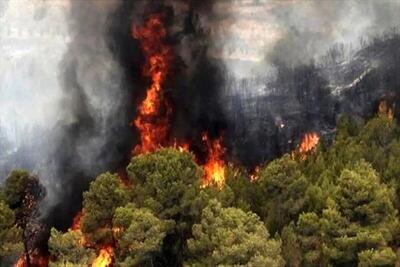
(152, 121)
(105, 257)
(254, 176)
(308, 144)
(117, 230)
(214, 167)
(20, 262)
(39, 260)
(76, 226)
(76, 221)
(123, 178)
(181, 147)
(383, 109)
(36, 259)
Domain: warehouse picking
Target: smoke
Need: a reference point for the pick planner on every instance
(260, 73)
(287, 62)
(102, 84)
(29, 91)
(95, 134)
(65, 113)
(294, 32)
(193, 83)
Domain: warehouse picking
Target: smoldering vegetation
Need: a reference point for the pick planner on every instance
(311, 97)
(296, 67)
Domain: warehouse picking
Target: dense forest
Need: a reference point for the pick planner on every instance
(336, 206)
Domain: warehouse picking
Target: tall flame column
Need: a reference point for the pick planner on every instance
(154, 112)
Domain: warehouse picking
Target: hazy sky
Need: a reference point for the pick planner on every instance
(297, 30)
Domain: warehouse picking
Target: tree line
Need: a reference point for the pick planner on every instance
(338, 206)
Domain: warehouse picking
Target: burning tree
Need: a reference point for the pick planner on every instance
(92, 229)
(167, 199)
(165, 216)
(385, 110)
(105, 257)
(308, 144)
(214, 166)
(105, 194)
(154, 112)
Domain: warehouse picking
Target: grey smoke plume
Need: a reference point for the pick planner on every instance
(64, 109)
(294, 32)
(30, 91)
(94, 134)
(287, 63)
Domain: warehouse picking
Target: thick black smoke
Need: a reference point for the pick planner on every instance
(103, 84)
(194, 79)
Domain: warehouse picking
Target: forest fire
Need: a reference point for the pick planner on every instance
(161, 125)
(214, 167)
(182, 147)
(254, 176)
(21, 262)
(77, 221)
(384, 109)
(105, 257)
(154, 112)
(35, 260)
(153, 120)
(76, 226)
(308, 143)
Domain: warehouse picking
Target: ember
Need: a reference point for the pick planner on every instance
(255, 174)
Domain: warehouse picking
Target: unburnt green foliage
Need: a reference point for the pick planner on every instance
(281, 194)
(67, 249)
(359, 218)
(168, 183)
(106, 193)
(232, 237)
(19, 197)
(15, 186)
(10, 235)
(238, 191)
(138, 233)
